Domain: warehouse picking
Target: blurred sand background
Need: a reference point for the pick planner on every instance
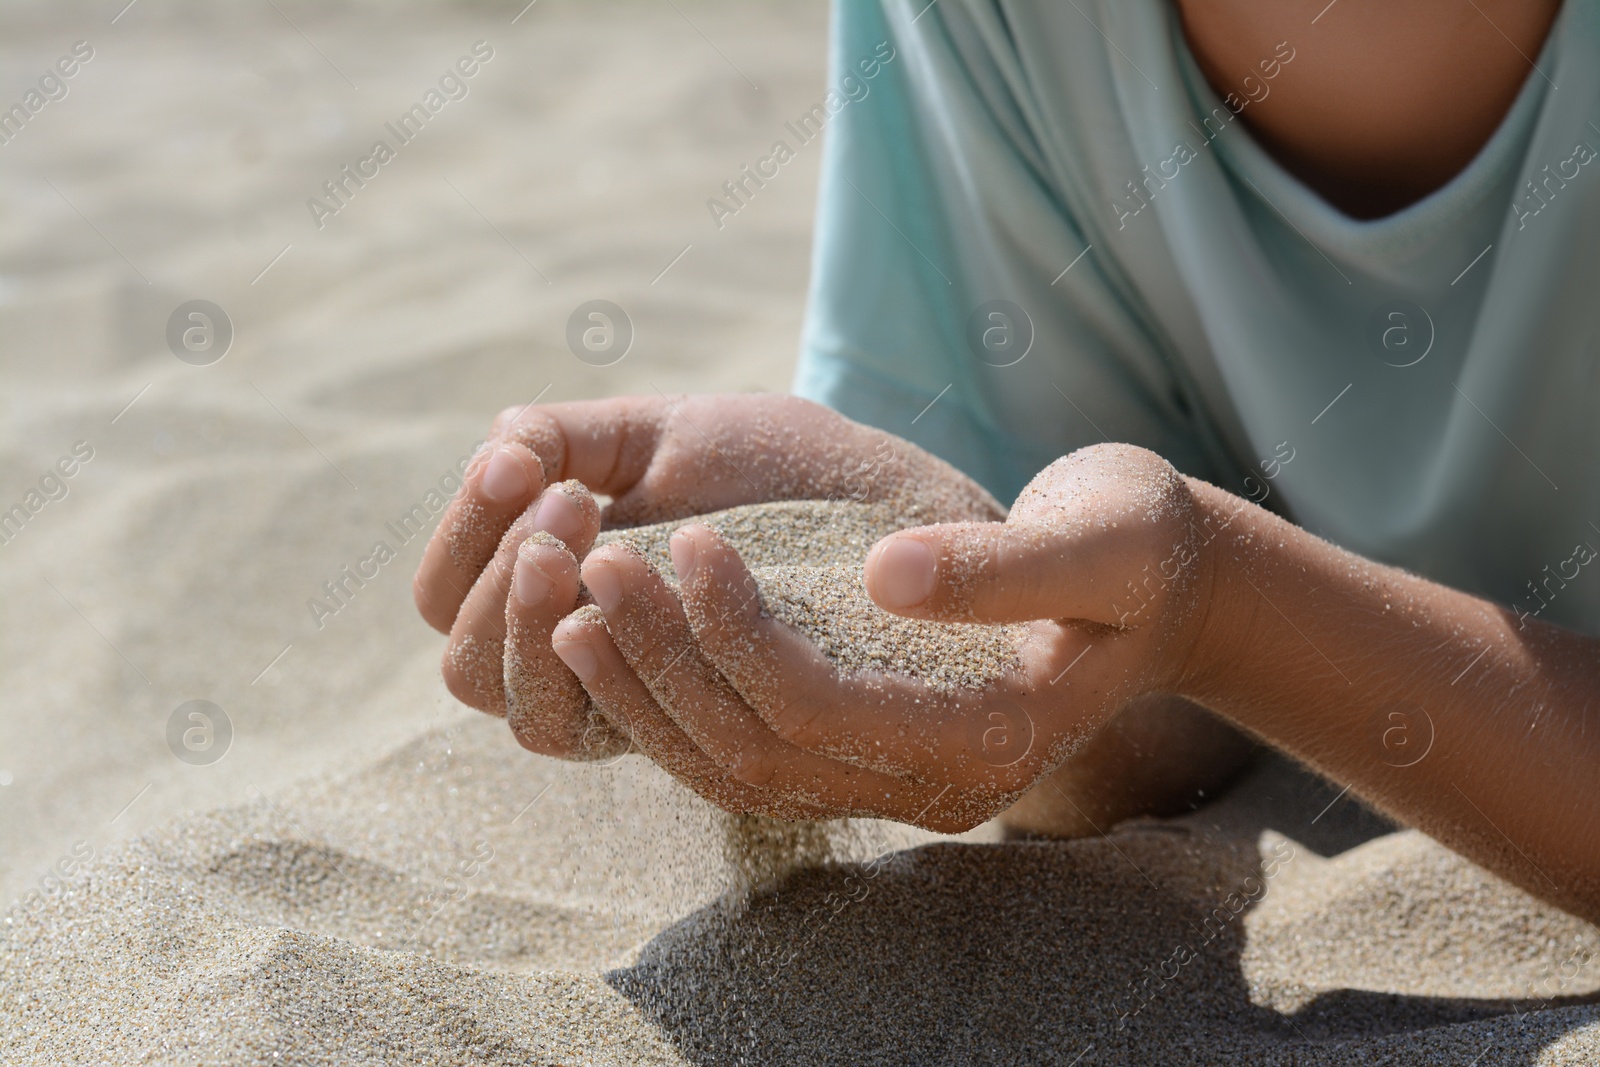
(365, 362)
(371, 873)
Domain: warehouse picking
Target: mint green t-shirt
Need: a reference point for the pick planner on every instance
(1039, 228)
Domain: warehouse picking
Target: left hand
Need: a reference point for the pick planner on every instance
(1100, 556)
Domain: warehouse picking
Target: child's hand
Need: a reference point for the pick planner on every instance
(659, 458)
(1102, 546)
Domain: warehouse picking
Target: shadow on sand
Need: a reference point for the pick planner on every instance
(1118, 950)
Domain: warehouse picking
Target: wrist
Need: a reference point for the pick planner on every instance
(1220, 646)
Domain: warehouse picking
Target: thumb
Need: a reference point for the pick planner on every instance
(995, 572)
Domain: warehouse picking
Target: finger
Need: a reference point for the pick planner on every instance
(605, 444)
(497, 487)
(647, 623)
(1097, 536)
(585, 645)
(616, 447)
(503, 418)
(664, 457)
(473, 660)
(546, 706)
(884, 722)
(995, 572)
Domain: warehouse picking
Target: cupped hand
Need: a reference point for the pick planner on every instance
(1102, 557)
(499, 590)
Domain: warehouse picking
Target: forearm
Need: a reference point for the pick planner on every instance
(1445, 710)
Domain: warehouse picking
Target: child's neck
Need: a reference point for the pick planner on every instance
(1385, 100)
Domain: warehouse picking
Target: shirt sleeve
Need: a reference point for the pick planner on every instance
(939, 210)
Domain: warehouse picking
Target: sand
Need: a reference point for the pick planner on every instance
(806, 558)
(371, 874)
(460, 902)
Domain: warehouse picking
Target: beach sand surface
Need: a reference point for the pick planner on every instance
(344, 866)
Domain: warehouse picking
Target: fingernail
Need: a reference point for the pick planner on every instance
(504, 479)
(559, 517)
(604, 585)
(904, 573)
(529, 584)
(579, 657)
(683, 551)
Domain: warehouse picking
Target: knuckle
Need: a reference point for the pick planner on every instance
(999, 560)
(657, 654)
(540, 434)
(970, 576)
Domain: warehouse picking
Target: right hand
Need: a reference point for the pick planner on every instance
(1101, 569)
(659, 459)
